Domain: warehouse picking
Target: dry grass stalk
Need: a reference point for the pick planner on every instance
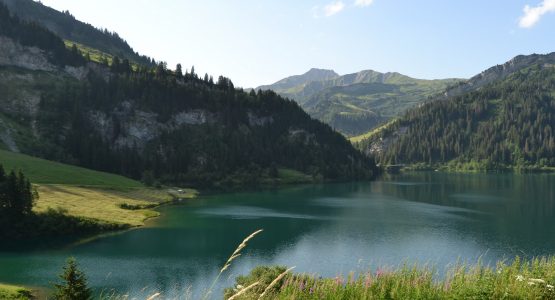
(241, 292)
(275, 282)
(153, 296)
(237, 251)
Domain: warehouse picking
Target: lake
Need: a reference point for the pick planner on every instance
(327, 229)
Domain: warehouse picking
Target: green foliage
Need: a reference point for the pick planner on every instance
(533, 279)
(507, 124)
(10, 292)
(16, 196)
(73, 285)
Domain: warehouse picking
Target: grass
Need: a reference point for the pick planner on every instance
(12, 292)
(96, 55)
(110, 206)
(528, 279)
(89, 194)
(41, 171)
(362, 137)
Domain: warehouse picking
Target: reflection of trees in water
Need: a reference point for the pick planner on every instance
(518, 209)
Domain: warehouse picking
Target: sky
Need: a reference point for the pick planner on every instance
(257, 42)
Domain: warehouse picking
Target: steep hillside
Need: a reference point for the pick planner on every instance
(154, 123)
(356, 103)
(67, 27)
(506, 123)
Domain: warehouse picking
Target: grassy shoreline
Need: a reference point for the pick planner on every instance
(87, 201)
(521, 279)
(14, 292)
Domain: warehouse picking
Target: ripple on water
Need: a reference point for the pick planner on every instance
(251, 212)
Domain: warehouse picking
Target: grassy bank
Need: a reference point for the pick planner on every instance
(90, 195)
(533, 279)
(12, 292)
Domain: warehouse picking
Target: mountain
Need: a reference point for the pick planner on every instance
(68, 28)
(151, 122)
(294, 87)
(505, 120)
(358, 102)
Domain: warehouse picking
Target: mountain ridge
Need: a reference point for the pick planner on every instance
(358, 102)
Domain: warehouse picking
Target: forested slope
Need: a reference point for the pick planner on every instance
(505, 124)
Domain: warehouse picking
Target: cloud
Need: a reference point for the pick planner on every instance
(333, 8)
(363, 3)
(532, 15)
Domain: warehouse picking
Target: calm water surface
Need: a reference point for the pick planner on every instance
(329, 230)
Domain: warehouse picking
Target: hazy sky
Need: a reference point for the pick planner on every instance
(257, 42)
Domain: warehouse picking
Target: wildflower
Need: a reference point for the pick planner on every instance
(338, 280)
(368, 280)
(519, 278)
(379, 272)
(301, 285)
(549, 287)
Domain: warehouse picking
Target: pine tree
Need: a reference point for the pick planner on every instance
(74, 284)
(178, 71)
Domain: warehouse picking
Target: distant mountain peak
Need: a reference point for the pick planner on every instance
(325, 73)
(295, 81)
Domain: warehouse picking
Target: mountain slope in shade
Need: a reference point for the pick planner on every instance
(154, 124)
(356, 103)
(505, 121)
(67, 27)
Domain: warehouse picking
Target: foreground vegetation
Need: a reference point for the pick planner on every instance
(521, 279)
(12, 292)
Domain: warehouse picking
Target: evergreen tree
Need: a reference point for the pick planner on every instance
(73, 285)
(178, 71)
